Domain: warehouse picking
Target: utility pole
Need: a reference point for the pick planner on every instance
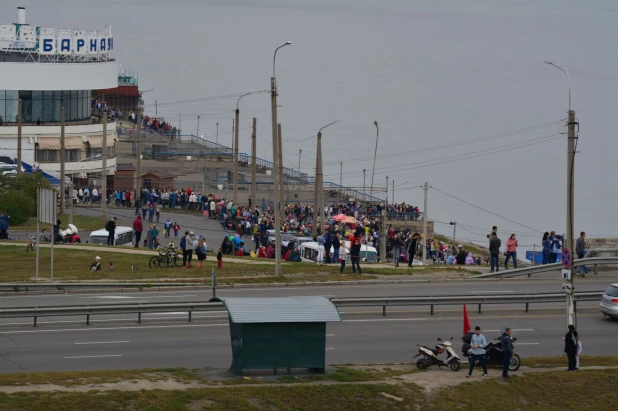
(424, 242)
(321, 189)
(61, 160)
(281, 177)
(217, 133)
(383, 237)
(19, 115)
(70, 205)
(235, 192)
(179, 125)
(197, 133)
(277, 211)
(300, 153)
(375, 123)
(393, 195)
(103, 169)
(156, 110)
(277, 208)
(316, 187)
(569, 243)
(364, 186)
(387, 191)
(340, 174)
(253, 165)
(138, 166)
(454, 224)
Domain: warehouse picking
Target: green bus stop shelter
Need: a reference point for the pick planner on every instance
(275, 333)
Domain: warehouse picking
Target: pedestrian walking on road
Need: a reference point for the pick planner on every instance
(507, 352)
(570, 347)
(511, 251)
(477, 344)
(494, 251)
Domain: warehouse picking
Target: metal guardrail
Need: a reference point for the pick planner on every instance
(89, 286)
(546, 268)
(383, 302)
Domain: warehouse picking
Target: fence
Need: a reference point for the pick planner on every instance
(540, 269)
(431, 301)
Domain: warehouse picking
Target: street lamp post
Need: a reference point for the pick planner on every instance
(454, 224)
(318, 189)
(197, 134)
(275, 173)
(236, 129)
(217, 134)
(570, 210)
(375, 123)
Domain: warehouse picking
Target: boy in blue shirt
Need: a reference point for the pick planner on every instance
(477, 345)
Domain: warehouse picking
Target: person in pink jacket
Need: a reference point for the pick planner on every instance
(511, 251)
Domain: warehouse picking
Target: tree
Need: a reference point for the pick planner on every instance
(18, 195)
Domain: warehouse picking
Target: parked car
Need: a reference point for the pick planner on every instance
(609, 301)
(285, 237)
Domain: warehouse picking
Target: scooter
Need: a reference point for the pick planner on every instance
(429, 356)
(493, 352)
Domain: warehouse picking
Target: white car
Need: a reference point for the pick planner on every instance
(124, 236)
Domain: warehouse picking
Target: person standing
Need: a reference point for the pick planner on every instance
(546, 248)
(111, 231)
(511, 251)
(344, 252)
(412, 249)
(219, 259)
(396, 247)
(336, 247)
(477, 344)
(168, 227)
(570, 347)
(192, 242)
(5, 221)
(138, 227)
(355, 248)
(183, 247)
(494, 251)
(200, 252)
(580, 250)
(328, 243)
(507, 352)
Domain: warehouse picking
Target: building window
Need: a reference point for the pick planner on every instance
(71, 155)
(93, 151)
(48, 156)
(45, 105)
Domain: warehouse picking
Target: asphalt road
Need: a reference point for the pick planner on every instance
(364, 336)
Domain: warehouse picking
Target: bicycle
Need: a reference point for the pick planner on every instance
(167, 257)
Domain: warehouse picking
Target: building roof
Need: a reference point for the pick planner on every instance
(125, 167)
(281, 310)
(158, 174)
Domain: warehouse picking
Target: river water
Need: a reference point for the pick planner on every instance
(445, 80)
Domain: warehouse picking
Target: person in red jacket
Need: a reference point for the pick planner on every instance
(138, 227)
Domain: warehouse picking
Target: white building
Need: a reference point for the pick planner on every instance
(48, 68)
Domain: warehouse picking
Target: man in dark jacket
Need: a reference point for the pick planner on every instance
(461, 256)
(412, 249)
(580, 250)
(507, 352)
(111, 231)
(494, 251)
(570, 347)
(336, 247)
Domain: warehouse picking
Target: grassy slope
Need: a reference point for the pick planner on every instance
(82, 222)
(74, 264)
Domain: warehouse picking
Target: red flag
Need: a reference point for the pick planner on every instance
(466, 325)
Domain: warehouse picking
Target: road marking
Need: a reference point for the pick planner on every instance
(113, 328)
(144, 317)
(95, 356)
(304, 296)
(490, 292)
(141, 296)
(522, 329)
(258, 289)
(385, 319)
(114, 302)
(102, 342)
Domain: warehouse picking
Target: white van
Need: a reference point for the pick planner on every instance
(309, 251)
(124, 236)
(368, 254)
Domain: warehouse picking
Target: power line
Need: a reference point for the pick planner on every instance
(483, 209)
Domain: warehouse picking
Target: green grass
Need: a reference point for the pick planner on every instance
(82, 222)
(357, 397)
(547, 391)
(585, 360)
(72, 264)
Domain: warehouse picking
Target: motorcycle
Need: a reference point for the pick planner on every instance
(429, 356)
(493, 352)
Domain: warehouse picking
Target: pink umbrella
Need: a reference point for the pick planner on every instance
(351, 220)
(340, 217)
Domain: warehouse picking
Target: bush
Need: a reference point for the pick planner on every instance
(18, 206)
